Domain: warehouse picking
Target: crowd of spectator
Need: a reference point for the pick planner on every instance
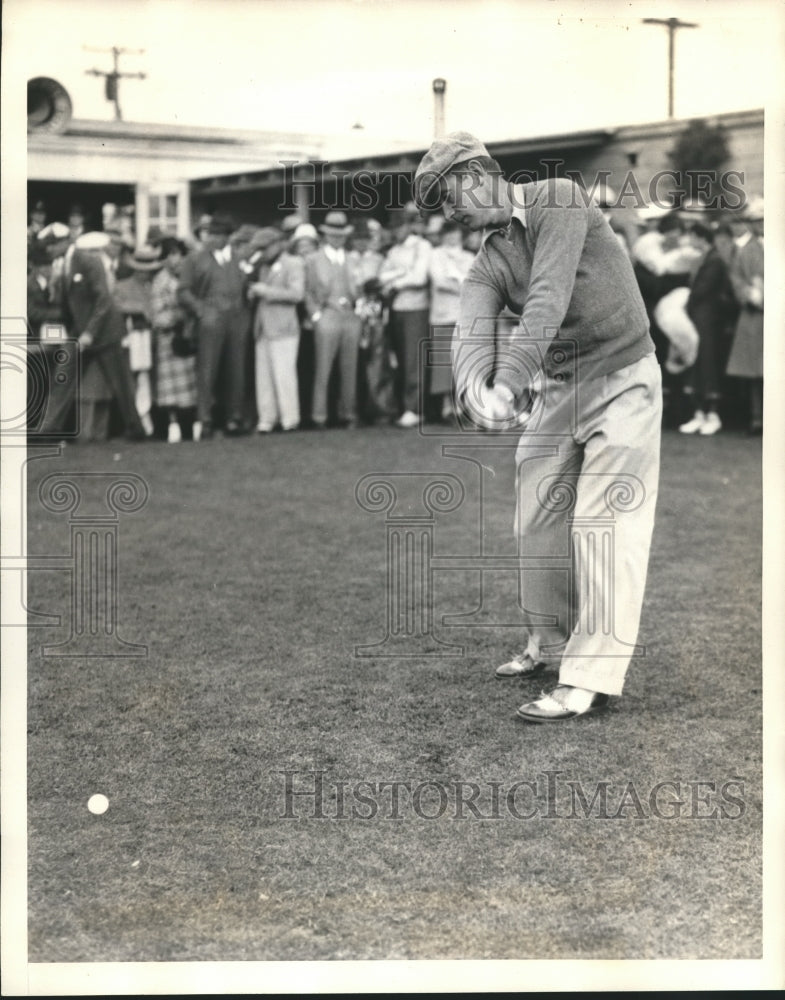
(702, 283)
(254, 329)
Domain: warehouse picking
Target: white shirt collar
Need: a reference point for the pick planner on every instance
(224, 255)
(335, 255)
(518, 212)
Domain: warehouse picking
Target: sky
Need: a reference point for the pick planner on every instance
(513, 69)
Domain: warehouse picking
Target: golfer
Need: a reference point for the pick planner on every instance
(579, 374)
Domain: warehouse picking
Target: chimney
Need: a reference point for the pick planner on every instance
(439, 87)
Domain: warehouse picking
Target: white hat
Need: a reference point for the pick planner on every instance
(305, 231)
(93, 241)
(754, 209)
(55, 231)
(651, 212)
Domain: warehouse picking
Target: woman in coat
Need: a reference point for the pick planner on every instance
(712, 308)
(746, 356)
(175, 369)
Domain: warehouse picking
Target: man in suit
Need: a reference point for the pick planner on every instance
(211, 291)
(330, 295)
(43, 312)
(41, 305)
(278, 287)
(94, 321)
(37, 222)
(580, 372)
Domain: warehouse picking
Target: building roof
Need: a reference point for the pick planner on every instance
(406, 160)
(218, 159)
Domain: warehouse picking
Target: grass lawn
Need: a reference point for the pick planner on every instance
(251, 574)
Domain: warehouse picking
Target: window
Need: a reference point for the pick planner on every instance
(165, 207)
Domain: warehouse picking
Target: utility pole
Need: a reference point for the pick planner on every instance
(672, 24)
(112, 79)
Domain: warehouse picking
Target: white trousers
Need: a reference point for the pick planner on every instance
(143, 396)
(587, 478)
(277, 399)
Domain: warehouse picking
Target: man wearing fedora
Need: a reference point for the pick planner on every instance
(580, 376)
(95, 322)
(212, 288)
(330, 295)
(37, 222)
(277, 287)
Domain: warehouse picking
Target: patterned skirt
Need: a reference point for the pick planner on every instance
(175, 378)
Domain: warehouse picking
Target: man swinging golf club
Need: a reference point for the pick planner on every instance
(579, 374)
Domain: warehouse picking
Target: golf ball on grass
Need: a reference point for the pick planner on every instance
(98, 804)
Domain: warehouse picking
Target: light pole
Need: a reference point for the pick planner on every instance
(439, 87)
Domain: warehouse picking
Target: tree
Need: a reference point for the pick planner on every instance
(700, 153)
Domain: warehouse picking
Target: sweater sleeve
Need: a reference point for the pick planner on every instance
(474, 339)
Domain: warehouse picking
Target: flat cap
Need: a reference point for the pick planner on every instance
(438, 161)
